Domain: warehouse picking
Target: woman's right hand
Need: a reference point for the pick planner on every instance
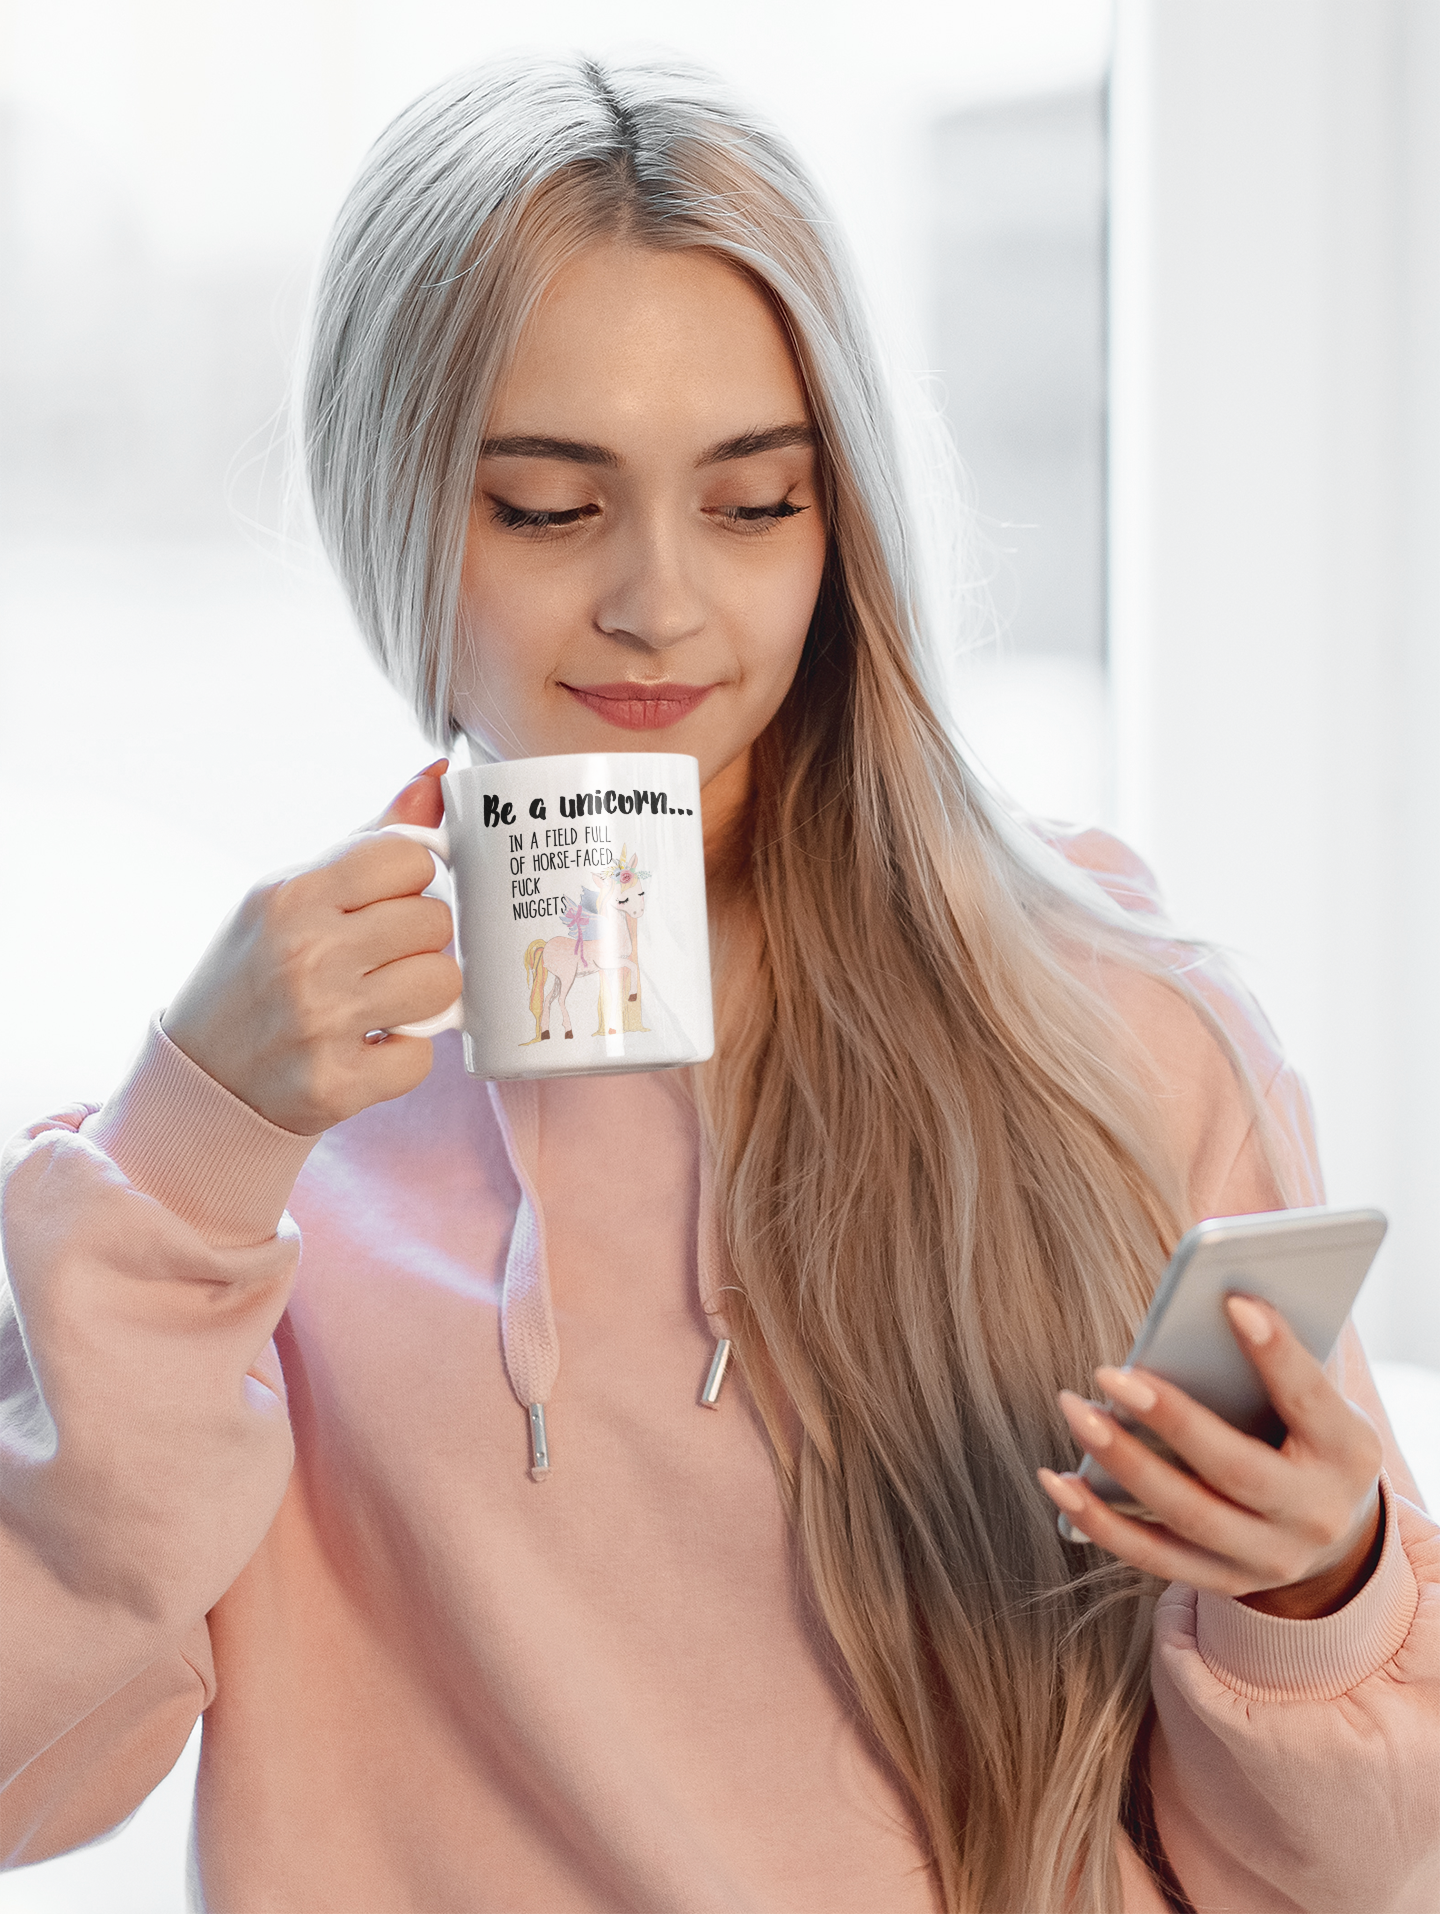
(278, 1008)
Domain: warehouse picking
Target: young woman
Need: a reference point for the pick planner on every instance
(597, 442)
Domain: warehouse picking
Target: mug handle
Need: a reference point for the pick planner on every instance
(438, 844)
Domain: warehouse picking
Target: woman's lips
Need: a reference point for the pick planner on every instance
(640, 707)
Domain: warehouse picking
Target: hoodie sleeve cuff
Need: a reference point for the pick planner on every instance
(183, 1139)
(1272, 1658)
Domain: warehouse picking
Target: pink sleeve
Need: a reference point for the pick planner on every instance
(144, 1440)
(1295, 1765)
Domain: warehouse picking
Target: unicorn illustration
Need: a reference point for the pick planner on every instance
(602, 940)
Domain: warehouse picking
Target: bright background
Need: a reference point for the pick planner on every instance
(1201, 413)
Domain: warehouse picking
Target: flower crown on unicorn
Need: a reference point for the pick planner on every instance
(623, 871)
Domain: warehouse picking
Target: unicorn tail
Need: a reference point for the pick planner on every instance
(535, 970)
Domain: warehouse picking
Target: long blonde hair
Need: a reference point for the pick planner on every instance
(944, 1197)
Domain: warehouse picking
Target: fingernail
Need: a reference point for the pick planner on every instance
(1252, 1321)
(1093, 1429)
(432, 770)
(1126, 1388)
(1060, 1489)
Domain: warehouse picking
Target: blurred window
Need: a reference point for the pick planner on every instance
(1019, 341)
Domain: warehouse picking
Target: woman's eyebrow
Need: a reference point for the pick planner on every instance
(529, 445)
(749, 445)
(745, 445)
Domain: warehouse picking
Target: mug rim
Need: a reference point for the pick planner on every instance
(570, 757)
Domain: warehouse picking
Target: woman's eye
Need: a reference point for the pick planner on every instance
(516, 519)
(760, 516)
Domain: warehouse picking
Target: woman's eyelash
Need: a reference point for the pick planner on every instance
(762, 514)
(517, 519)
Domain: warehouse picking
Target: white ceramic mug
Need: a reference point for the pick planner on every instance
(580, 920)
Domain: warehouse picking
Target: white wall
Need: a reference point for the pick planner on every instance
(1276, 519)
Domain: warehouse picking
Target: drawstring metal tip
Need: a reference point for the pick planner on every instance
(539, 1447)
(719, 1363)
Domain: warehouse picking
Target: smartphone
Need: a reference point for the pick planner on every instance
(1308, 1263)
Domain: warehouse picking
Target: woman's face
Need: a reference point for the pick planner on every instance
(647, 536)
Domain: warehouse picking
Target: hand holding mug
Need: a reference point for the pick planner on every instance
(311, 962)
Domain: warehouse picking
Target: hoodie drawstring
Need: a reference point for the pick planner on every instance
(713, 1266)
(527, 1320)
(528, 1336)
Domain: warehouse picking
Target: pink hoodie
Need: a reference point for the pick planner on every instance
(294, 1491)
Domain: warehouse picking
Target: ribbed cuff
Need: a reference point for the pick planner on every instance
(210, 1159)
(1273, 1658)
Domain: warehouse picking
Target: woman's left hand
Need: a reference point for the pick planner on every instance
(1293, 1531)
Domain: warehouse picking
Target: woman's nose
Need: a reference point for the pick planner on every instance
(654, 597)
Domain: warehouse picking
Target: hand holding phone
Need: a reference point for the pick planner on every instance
(1225, 1457)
